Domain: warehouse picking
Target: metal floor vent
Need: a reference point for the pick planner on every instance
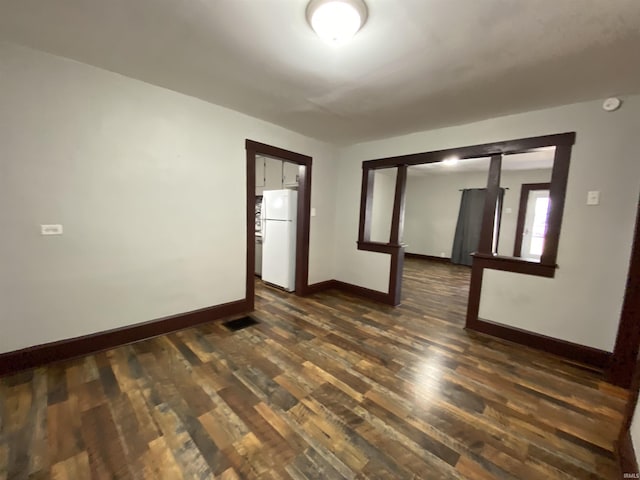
(240, 323)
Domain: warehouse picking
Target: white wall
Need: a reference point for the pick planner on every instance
(433, 203)
(384, 190)
(582, 303)
(150, 187)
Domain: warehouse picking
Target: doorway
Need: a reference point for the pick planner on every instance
(298, 166)
(532, 221)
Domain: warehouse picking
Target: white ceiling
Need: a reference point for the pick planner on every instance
(416, 64)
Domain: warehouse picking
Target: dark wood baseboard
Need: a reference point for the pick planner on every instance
(572, 351)
(320, 287)
(30, 357)
(12, 362)
(427, 257)
(626, 454)
(367, 293)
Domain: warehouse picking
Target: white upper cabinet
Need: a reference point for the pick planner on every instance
(290, 174)
(273, 175)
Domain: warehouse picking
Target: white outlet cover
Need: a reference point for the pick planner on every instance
(593, 197)
(51, 229)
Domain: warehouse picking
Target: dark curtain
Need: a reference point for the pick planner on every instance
(467, 237)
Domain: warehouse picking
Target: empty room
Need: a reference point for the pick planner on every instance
(319, 239)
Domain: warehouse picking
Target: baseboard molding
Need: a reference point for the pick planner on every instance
(626, 454)
(367, 293)
(320, 287)
(572, 351)
(38, 355)
(432, 258)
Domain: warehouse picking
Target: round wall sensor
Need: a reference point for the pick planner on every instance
(611, 104)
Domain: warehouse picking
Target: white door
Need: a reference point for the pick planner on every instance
(535, 224)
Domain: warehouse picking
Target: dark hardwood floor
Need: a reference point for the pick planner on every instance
(325, 387)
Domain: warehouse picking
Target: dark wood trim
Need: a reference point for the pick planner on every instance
(396, 252)
(624, 444)
(366, 205)
(395, 277)
(304, 211)
(522, 212)
(278, 153)
(634, 390)
(557, 193)
(486, 257)
(431, 258)
(625, 353)
(394, 247)
(357, 290)
(626, 454)
(321, 287)
(487, 234)
(251, 227)
(511, 264)
(475, 289)
(367, 293)
(399, 201)
(303, 228)
(624, 366)
(12, 362)
(520, 145)
(560, 171)
(572, 351)
(378, 247)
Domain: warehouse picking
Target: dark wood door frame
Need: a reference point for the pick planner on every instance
(254, 148)
(522, 212)
(485, 258)
(625, 353)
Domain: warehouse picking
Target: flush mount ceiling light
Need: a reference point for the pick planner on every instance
(451, 161)
(336, 20)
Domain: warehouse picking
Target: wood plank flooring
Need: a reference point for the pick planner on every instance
(325, 387)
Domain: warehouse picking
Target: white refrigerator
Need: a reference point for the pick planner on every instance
(279, 211)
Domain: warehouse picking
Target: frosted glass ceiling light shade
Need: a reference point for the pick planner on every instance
(336, 20)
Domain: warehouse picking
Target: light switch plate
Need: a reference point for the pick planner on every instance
(593, 197)
(51, 229)
(313, 212)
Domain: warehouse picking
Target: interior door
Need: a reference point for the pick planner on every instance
(535, 224)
